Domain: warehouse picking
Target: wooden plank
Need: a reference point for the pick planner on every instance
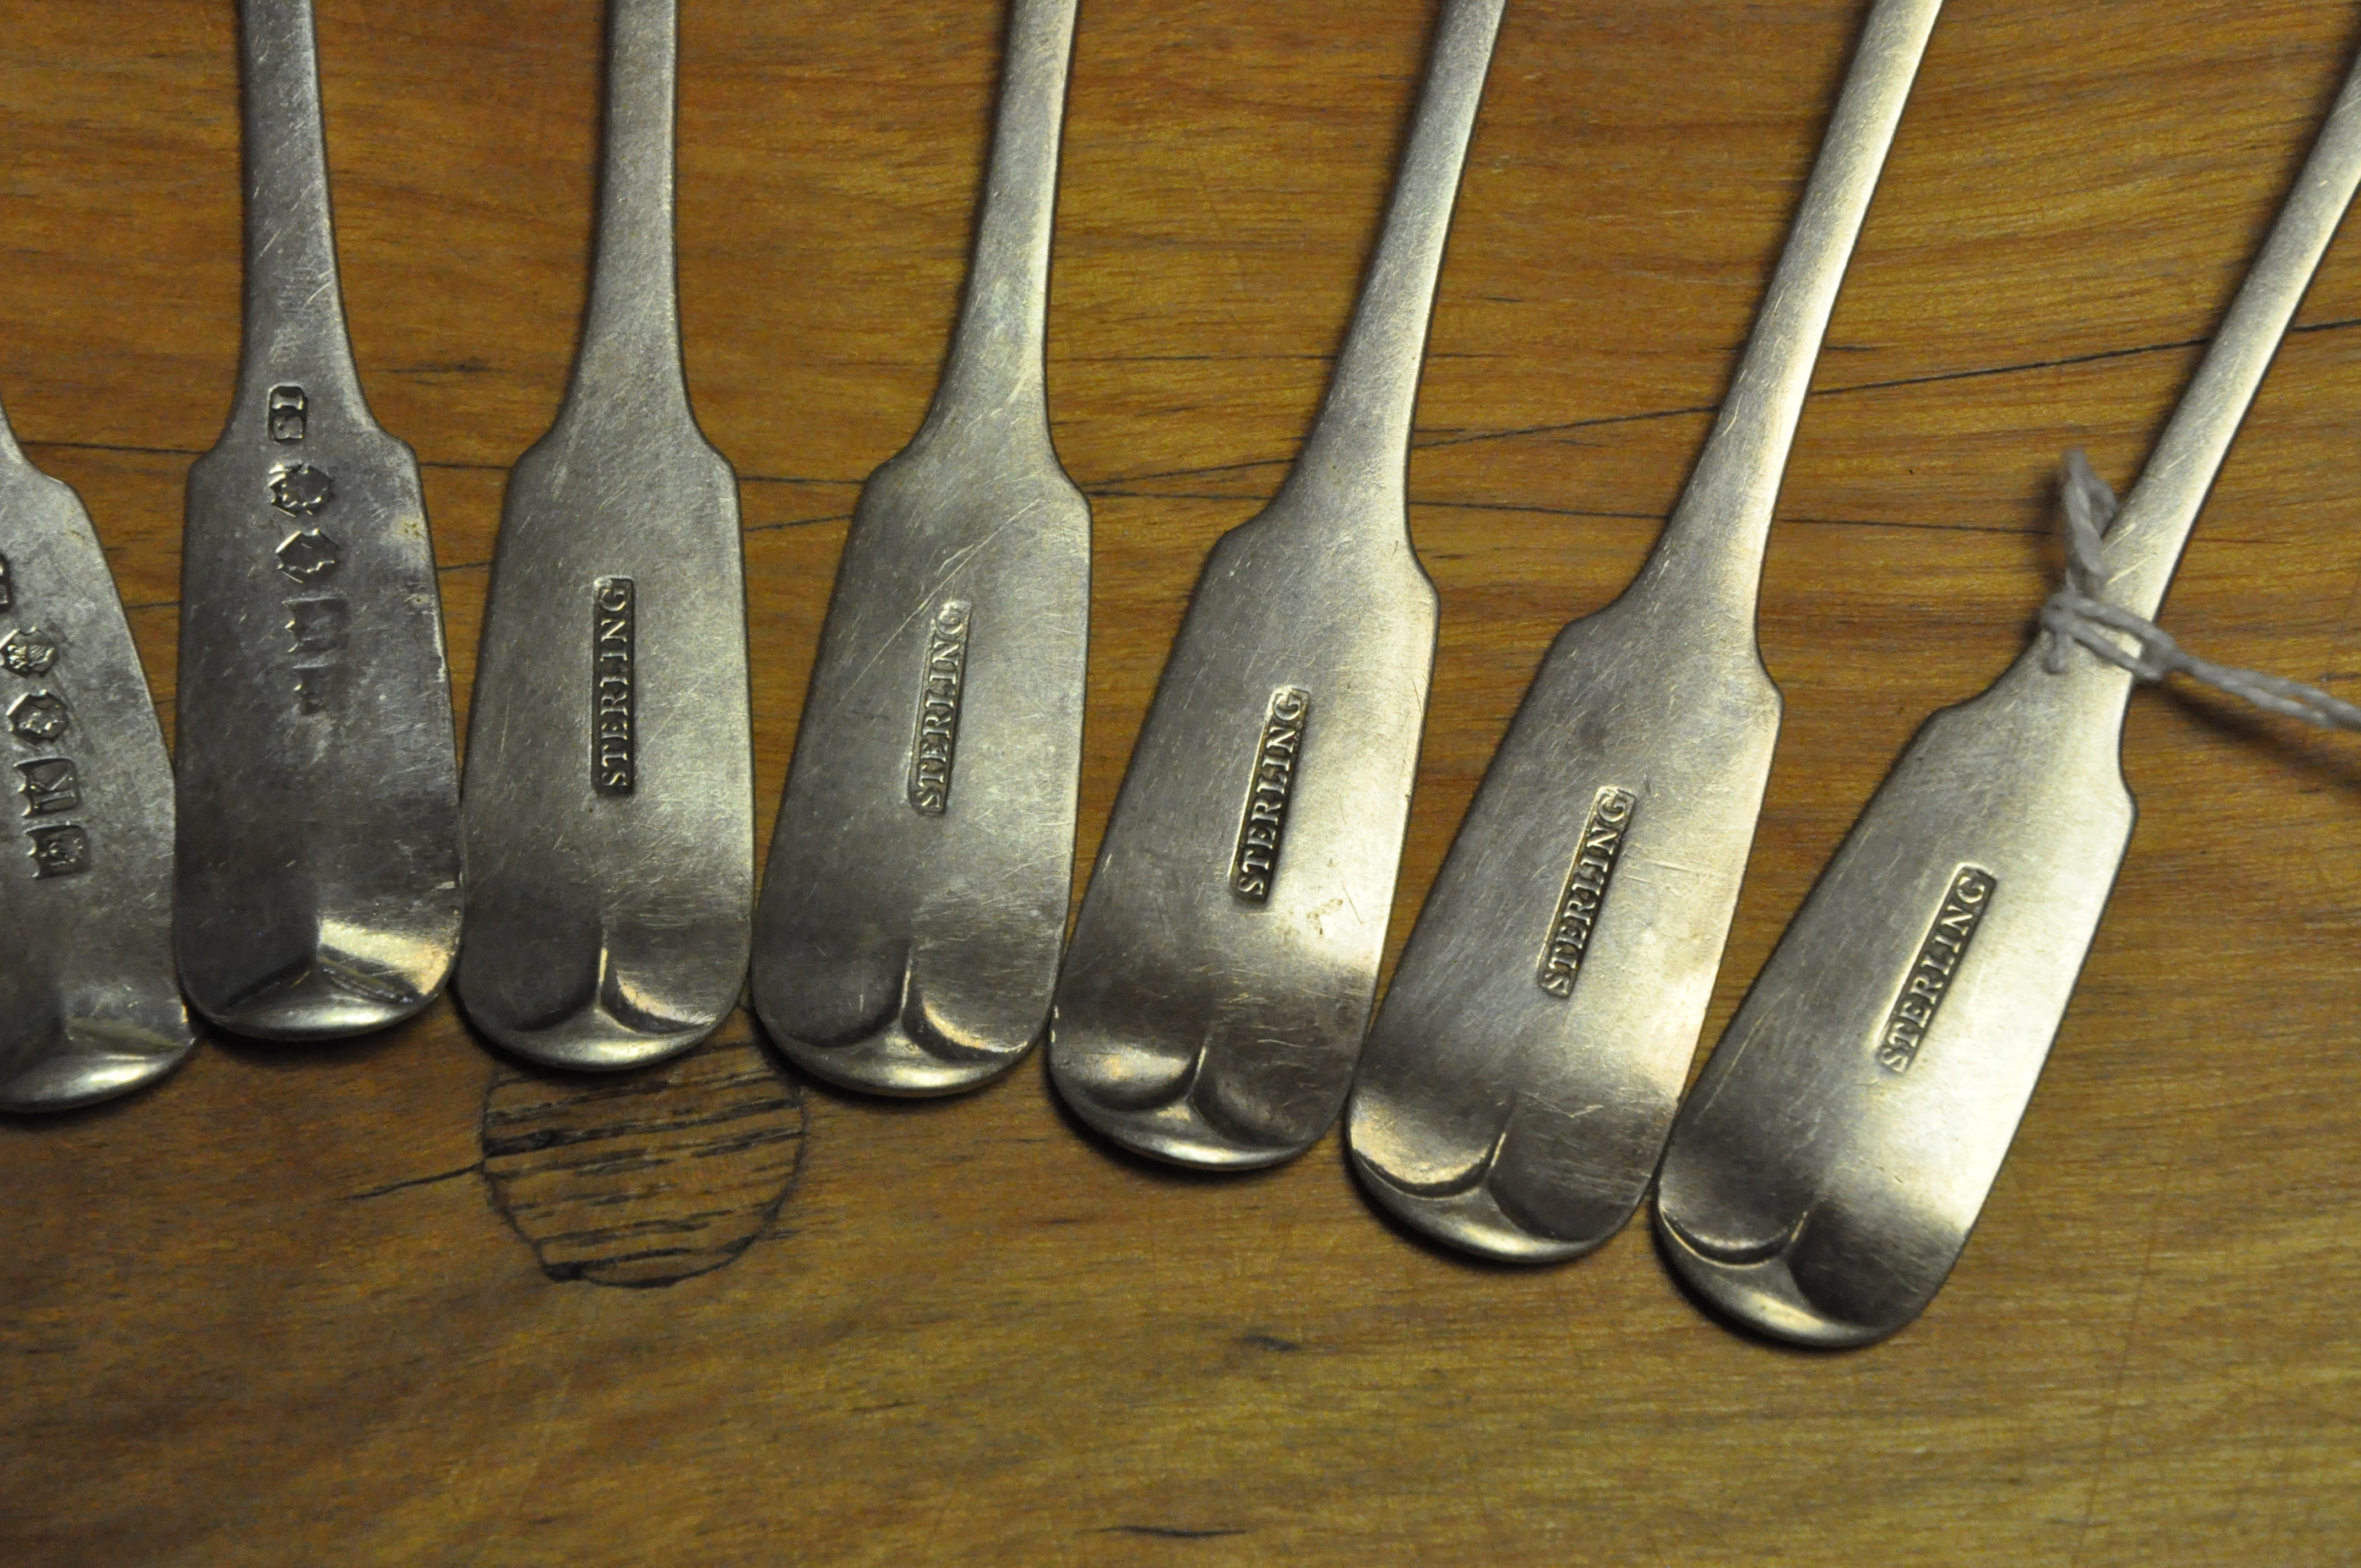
(271, 1312)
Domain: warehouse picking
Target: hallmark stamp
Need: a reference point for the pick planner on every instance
(38, 717)
(289, 414)
(7, 585)
(1576, 913)
(301, 490)
(1929, 979)
(316, 634)
(319, 686)
(307, 556)
(1263, 828)
(614, 736)
(30, 652)
(317, 625)
(942, 685)
(49, 785)
(59, 852)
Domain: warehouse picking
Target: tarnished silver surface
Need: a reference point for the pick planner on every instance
(89, 1007)
(1213, 999)
(916, 898)
(318, 884)
(1825, 1172)
(609, 808)
(1520, 1077)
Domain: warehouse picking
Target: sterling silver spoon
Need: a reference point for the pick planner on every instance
(1223, 965)
(89, 1007)
(916, 899)
(318, 883)
(1521, 1075)
(609, 810)
(1826, 1169)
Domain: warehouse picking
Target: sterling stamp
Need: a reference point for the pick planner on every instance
(940, 690)
(1586, 889)
(1264, 827)
(614, 737)
(1929, 979)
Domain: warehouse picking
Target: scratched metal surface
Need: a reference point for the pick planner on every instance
(269, 1311)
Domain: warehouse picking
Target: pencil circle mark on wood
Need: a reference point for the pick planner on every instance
(645, 1179)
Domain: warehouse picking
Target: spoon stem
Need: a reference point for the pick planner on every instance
(1358, 450)
(995, 366)
(2145, 544)
(294, 311)
(1712, 548)
(631, 339)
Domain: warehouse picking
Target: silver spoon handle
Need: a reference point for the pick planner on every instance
(631, 339)
(1359, 446)
(1826, 1170)
(995, 364)
(2145, 544)
(1711, 550)
(294, 311)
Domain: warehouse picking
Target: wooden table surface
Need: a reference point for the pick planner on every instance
(403, 1303)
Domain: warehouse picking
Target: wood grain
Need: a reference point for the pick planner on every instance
(243, 1322)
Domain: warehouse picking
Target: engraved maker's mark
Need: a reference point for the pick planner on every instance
(942, 685)
(1263, 828)
(1929, 981)
(316, 624)
(614, 693)
(290, 412)
(51, 786)
(1576, 913)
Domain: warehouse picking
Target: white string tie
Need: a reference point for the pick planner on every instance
(2076, 613)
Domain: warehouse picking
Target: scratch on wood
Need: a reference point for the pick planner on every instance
(649, 1178)
(1168, 1533)
(438, 1177)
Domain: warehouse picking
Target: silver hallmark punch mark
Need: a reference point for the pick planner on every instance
(86, 834)
(1265, 822)
(1586, 889)
(1929, 979)
(614, 742)
(943, 682)
(290, 413)
(49, 785)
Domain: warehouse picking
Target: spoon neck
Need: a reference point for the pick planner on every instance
(995, 367)
(2144, 547)
(630, 338)
(1712, 547)
(1360, 439)
(294, 326)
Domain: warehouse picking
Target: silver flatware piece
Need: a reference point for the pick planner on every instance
(1214, 999)
(915, 902)
(318, 880)
(608, 807)
(1826, 1170)
(89, 1007)
(1521, 1074)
